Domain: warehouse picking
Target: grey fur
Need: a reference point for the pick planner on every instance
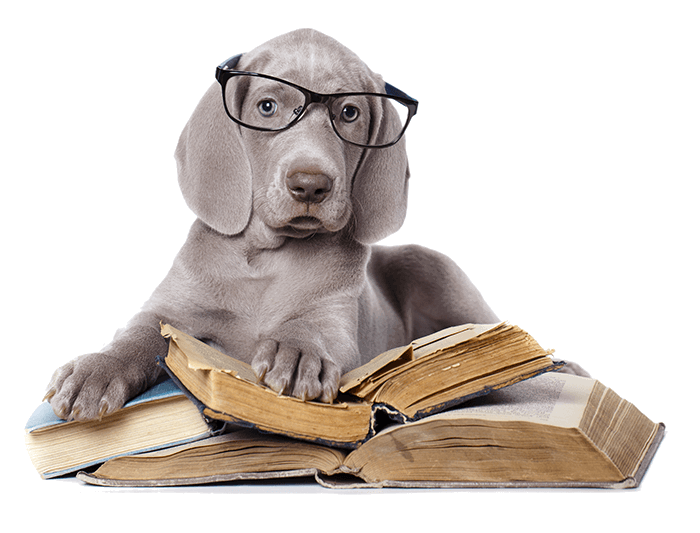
(292, 287)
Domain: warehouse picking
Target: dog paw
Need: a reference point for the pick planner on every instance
(289, 369)
(89, 388)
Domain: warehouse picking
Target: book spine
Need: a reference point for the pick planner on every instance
(217, 426)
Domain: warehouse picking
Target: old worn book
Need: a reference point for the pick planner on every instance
(162, 416)
(555, 430)
(406, 384)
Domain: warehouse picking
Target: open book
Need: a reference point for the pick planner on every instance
(555, 430)
(405, 384)
(162, 416)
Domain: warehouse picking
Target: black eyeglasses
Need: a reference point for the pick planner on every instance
(265, 103)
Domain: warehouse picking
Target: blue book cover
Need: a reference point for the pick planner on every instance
(43, 416)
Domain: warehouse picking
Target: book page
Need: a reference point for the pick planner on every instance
(449, 337)
(201, 356)
(552, 398)
(384, 362)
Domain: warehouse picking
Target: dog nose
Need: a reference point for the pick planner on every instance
(309, 188)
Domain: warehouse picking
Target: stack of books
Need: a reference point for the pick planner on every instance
(469, 406)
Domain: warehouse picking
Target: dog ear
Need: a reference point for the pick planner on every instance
(213, 171)
(380, 187)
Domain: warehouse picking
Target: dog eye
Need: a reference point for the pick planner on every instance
(350, 113)
(267, 108)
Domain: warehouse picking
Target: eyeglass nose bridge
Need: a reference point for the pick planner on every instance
(316, 98)
(321, 99)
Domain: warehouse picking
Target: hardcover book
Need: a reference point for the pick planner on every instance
(405, 384)
(555, 430)
(162, 416)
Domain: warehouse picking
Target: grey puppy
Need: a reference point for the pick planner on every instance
(278, 270)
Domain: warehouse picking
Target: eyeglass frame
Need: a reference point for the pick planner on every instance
(226, 70)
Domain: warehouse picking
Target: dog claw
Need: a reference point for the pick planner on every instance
(62, 412)
(261, 375)
(328, 395)
(103, 410)
(49, 394)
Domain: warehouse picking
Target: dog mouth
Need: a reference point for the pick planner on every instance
(302, 227)
(305, 223)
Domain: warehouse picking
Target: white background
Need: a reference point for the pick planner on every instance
(555, 156)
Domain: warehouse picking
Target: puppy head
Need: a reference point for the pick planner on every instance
(302, 180)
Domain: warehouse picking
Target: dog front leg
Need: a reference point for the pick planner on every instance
(97, 384)
(305, 357)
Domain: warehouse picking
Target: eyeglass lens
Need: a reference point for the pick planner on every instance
(272, 105)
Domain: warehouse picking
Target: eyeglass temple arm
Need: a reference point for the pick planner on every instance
(231, 62)
(393, 91)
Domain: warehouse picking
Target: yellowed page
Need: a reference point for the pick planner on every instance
(449, 337)
(553, 399)
(201, 356)
(360, 374)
